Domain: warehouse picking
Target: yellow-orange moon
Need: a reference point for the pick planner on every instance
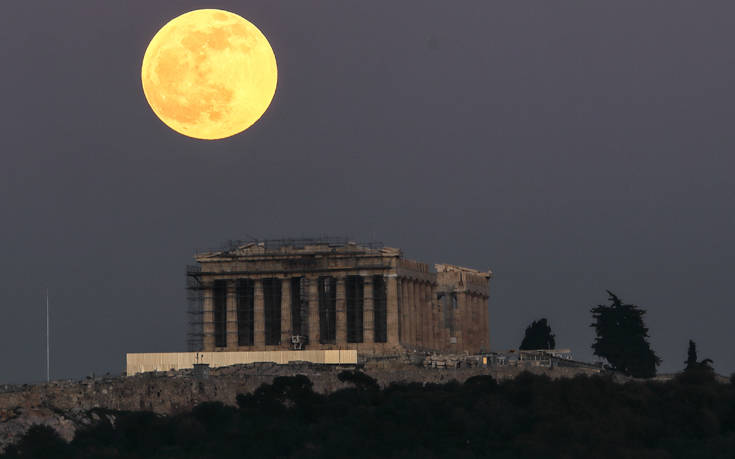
(209, 74)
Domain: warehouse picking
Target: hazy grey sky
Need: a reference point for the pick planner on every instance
(571, 147)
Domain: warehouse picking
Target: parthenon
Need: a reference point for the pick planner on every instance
(326, 294)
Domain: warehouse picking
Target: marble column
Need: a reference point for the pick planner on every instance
(480, 327)
(341, 313)
(231, 316)
(312, 288)
(478, 323)
(404, 311)
(286, 313)
(409, 312)
(466, 311)
(392, 305)
(420, 314)
(259, 315)
(476, 333)
(415, 314)
(208, 319)
(436, 325)
(432, 315)
(368, 310)
(485, 323)
(469, 339)
(459, 320)
(426, 296)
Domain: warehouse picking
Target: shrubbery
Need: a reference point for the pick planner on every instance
(530, 416)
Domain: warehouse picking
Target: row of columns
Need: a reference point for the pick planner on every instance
(422, 324)
(472, 321)
(419, 314)
(313, 313)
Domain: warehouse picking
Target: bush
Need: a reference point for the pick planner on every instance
(359, 379)
(44, 442)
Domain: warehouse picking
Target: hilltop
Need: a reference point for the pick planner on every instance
(67, 406)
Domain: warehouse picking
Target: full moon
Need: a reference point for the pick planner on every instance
(209, 74)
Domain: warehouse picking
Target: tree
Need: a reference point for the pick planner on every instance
(538, 336)
(691, 356)
(360, 380)
(622, 338)
(696, 371)
(42, 441)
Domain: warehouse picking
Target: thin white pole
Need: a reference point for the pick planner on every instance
(48, 347)
(41, 336)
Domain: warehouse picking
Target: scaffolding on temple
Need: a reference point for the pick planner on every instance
(195, 292)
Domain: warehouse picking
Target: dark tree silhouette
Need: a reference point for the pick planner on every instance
(691, 356)
(42, 441)
(696, 372)
(538, 336)
(530, 416)
(359, 379)
(621, 338)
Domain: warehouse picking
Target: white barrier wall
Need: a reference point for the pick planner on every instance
(141, 363)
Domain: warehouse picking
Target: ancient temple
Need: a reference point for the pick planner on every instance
(325, 294)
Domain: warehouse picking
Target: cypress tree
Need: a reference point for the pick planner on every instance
(691, 362)
(622, 338)
(538, 336)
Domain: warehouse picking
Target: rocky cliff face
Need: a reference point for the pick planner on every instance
(68, 405)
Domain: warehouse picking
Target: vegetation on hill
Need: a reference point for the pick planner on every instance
(538, 336)
(531, 416)
(691, 416)
(622, 338)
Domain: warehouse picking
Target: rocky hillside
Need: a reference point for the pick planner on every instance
(68, 405)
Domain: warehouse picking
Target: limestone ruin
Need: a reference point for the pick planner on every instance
(326, 294)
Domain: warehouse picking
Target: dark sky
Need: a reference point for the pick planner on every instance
(571, 147)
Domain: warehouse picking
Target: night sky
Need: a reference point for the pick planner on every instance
(571, 147)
